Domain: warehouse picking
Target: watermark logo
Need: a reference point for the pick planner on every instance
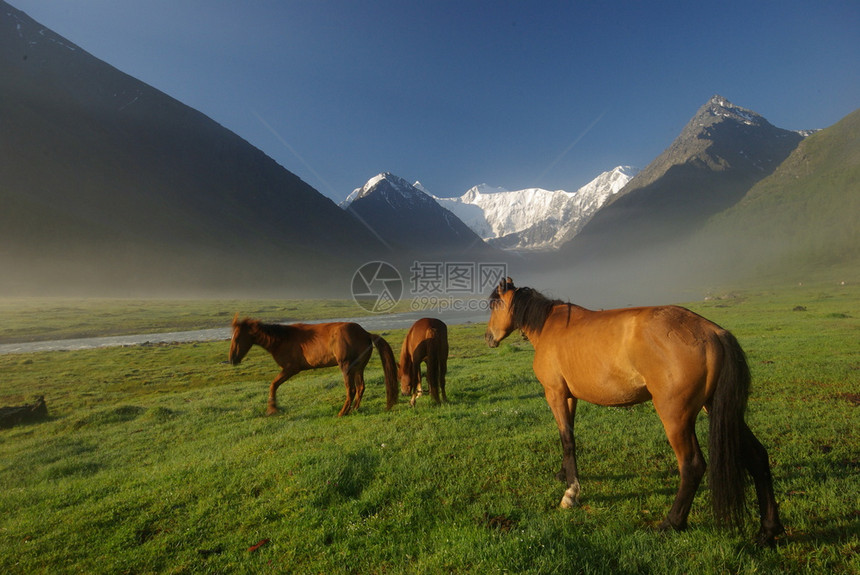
(377, 287)
(433, 286)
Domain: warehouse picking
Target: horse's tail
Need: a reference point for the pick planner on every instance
(726, 471)
(389, 367)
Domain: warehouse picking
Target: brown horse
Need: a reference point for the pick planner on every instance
(299, 347)
(427, 341)
(677, 359)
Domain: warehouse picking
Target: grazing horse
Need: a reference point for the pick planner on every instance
(298, 347)
(426, 341)
(677, 359)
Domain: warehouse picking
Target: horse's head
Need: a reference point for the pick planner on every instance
(405, 383)
(501, 322)
(241, 341)
(405, 380)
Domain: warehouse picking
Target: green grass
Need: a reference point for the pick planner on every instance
(159, 459)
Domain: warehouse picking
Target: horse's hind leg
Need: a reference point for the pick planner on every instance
(433, 376)
(358, 378)
(681, 433)
(756, 461)
(350, 389)
(443, 369)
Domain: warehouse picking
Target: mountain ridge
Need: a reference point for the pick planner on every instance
(533, 219)
(717, 157)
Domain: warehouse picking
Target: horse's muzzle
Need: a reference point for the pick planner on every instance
(491, 341)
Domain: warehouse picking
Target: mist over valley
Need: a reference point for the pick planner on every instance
(112, 188)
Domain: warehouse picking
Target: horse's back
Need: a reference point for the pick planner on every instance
(427, 329)
(626, 356)
(333, 343)
(430, 326)
(636, 323)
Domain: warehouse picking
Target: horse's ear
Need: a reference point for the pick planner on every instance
(236, 319)
(505, 285)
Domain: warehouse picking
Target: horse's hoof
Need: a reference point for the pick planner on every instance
(766, 537)
(571, 497)
(666, 525)
(272, 411)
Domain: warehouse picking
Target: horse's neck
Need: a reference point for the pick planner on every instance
(571, 311)
(264, 339)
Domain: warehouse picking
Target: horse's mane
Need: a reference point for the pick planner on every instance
(270, 332)
(529, 307)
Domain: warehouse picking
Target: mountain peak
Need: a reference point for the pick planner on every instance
(406, 217)
(719, 107)
(394, 188)
(718, 156)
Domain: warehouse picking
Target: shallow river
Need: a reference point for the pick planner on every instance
(371, 323)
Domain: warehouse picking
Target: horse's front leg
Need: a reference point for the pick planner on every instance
(273, 390)
(563, 408)
(416, 381)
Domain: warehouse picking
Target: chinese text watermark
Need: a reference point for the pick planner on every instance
(433, 285)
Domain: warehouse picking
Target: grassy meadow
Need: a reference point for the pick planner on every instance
(35, 319)
(159, 458)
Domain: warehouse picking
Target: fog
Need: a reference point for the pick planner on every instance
(681, 272)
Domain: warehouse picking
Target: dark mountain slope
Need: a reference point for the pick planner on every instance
(107, 179)
(720, 154)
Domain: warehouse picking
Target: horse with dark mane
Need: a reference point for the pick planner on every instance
(299, 347)
(677, 359)
(426, 341)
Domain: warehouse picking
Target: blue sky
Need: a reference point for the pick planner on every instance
(514, 94)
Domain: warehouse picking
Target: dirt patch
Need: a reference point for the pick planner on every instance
(852, 398)
(498, 522)
(16, 415)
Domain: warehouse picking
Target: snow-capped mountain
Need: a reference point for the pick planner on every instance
(406, 218)
(395, 190)
(534, 218)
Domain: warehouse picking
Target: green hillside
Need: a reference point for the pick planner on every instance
(803, 218)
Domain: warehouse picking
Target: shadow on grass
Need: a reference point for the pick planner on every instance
(344, 477)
